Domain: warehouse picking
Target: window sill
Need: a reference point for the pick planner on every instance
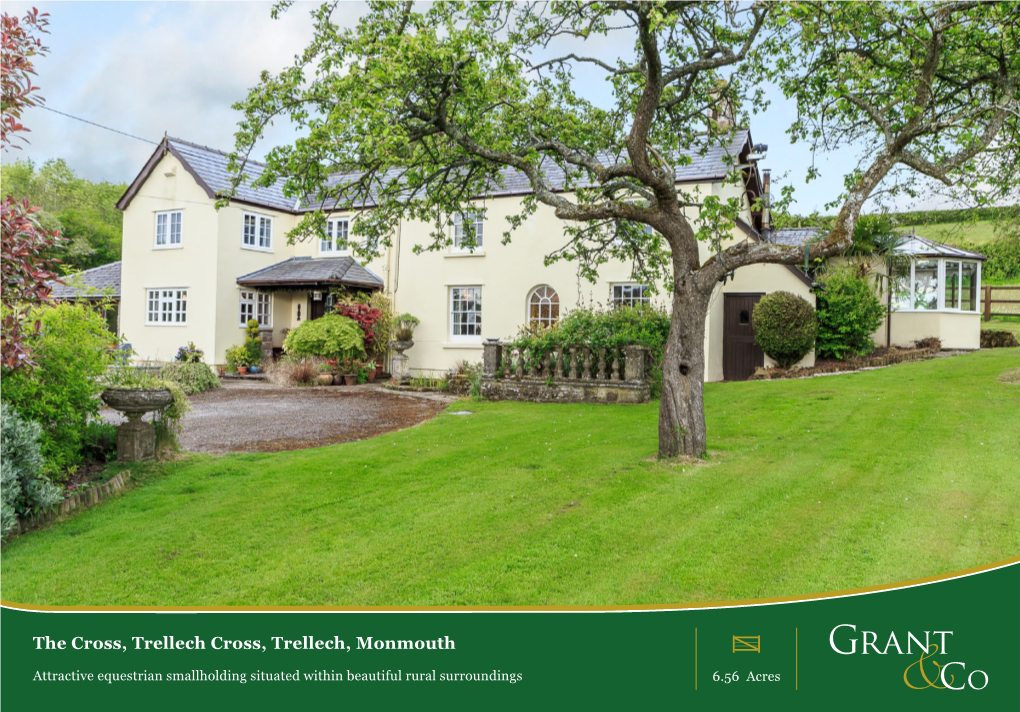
(267, 250)
(168, 247)
(465, 253)
(462, 345)
(155, 324)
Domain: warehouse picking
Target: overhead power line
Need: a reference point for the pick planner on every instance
(93, 123)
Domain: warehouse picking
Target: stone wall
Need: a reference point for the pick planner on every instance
(571, 374)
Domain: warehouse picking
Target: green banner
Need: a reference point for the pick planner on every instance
(950, 644)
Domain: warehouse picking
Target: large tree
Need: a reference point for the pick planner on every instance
(424, 108)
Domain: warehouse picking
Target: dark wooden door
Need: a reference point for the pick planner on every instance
(318, 308)
(740, 354)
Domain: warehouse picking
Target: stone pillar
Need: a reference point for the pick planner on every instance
(399, 367)
(266, 342)
(136, 439)
(635, 367)
(492, 356)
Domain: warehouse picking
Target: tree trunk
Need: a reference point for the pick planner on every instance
(682, 408)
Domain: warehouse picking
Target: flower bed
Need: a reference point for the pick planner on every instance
(887, 358)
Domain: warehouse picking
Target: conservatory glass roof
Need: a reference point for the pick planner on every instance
(923, 247)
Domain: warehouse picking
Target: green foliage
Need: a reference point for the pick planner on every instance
(875, 235)
(24, 489)
(190, 354)
(192, 377)
(598, 328)
(784, 327)
(403, 327)
(331, 336)
(849, 312)
(1003, 253)
(72, 353)
(238, 356)
(83, 211)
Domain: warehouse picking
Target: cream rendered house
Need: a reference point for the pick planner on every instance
(192, 273)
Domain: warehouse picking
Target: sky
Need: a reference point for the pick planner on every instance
(149, 68)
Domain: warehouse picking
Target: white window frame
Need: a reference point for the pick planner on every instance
(551, 321)
(169, 244)
(259, 304)
(452, 301)
(457, 232)
(159, 297)
(260, 222)
(645, 298)
(329, 246)
(941, 277)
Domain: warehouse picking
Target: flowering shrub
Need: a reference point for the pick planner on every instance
(365, 317)
(190, 354)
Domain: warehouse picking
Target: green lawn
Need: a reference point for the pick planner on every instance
(813, 485)
(973, 231)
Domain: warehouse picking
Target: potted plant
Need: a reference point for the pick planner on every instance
(325, 374)
(238, 358)
(349, 369)
(403, 332)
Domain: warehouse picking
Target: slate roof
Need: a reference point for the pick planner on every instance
(305, 272)
(91, 283)
(209, 168)
(795, 236)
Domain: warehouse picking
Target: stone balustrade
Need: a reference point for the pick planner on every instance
(572, 374)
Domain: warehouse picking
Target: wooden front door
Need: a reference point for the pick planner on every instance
(317, 308)
(740, 354)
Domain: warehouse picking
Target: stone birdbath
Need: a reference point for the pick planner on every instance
(401, 371)
(136, 439)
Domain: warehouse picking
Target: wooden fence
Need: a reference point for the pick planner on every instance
(1001, 301)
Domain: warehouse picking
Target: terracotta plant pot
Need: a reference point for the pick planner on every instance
(242, 370)
(350, 379)
(378, 369)
(371, 375)
(326, 379)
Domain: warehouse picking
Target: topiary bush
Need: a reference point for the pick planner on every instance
(192, 377)
(24, 490)
(784, 326)
(849, 312)
(331, 336)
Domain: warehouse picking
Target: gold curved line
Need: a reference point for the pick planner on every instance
(438, 609)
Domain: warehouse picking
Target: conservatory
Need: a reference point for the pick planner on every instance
(936, 291)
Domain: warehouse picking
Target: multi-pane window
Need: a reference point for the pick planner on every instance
(543, 307)
(166, 307)
(336, 236)
(466, 313)
(916, 285)
(630, 295)
(168, 229)
(256, 305)
(466, 227)
(257, 233)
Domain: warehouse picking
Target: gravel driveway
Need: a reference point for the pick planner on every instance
(259, 417)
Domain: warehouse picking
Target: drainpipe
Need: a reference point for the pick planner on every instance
(888, 309)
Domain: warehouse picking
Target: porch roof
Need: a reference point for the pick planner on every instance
(309, 273)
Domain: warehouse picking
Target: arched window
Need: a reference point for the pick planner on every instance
(543, 307)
